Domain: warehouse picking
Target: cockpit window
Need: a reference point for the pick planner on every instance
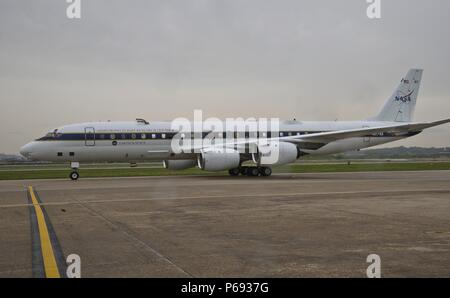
(50, 136)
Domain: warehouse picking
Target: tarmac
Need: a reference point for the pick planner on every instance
(286, 225)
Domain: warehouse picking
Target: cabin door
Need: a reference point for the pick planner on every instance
(89, 136)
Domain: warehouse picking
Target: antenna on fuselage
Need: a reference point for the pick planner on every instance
(140, 120)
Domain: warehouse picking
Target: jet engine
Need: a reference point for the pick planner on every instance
(276, 153)
(218, 160)
(178, 164)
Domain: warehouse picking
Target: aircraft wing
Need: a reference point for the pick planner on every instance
(327, 137)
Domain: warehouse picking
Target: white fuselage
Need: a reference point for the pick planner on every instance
(136, 141)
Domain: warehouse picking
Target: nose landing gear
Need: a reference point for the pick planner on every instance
(74, 175)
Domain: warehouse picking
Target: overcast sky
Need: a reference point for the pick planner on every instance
(312, 60)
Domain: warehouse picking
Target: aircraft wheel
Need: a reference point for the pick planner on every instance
(234, 172)
(265, 171)
(243, 170)
(74, 175)
(253, 171)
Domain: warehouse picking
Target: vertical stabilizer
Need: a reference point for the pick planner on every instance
(400, 106)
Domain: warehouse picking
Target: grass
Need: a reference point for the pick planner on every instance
(367, 167)
(91, 173)
(33, 173)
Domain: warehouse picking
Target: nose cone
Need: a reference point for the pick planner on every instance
(26, 151)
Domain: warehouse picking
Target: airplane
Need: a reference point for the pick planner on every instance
(140, 140)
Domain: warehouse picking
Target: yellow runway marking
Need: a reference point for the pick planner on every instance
(51, 269)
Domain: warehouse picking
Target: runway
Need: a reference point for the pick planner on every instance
(286, 225)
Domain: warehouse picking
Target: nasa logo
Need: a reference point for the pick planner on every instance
(404, 98)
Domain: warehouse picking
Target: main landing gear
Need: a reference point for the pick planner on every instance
(74, 175)
(251, 171)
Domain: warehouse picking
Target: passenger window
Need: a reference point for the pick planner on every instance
(143, 136)
(113, 136)
(133, 136)
(60, 154)
(153, 136)
(102, 136)
(163, 135)
(281, 134)
(123, 136)
(71, 153)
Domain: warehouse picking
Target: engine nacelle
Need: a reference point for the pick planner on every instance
(276, 153)
(178, 164)
(218, 160)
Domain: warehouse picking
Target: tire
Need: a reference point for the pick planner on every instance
(243, 170)
(74, 175)
(234, 172)
(253, 171)
(265, 171)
